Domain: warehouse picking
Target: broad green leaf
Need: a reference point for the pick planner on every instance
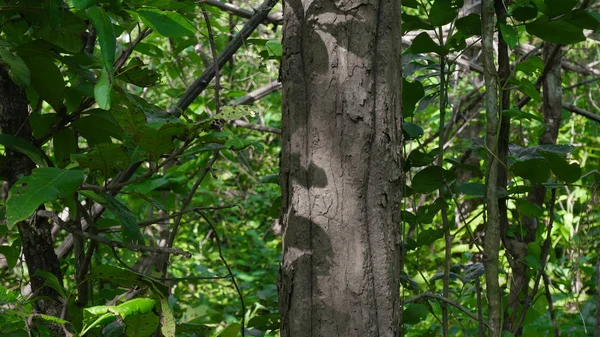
(65, 144)
(100, 315)
(431, 178)
(11, 254)
(410, 3)
(19, 71)
(230, 113)
(106, 37)
(84, 4)
(509, 35)
(528, 209)
(472, 189)
(442, 12)
(413, 22)
(167, 24)
(583, 19)
(555, 8)
(103, 90)
(564, 171)
(412, 92)
(43, 185)
(51, 281)
(412, 130)
(46, 79)
(230, 331)
(516, 114)
(418, 158)
(136, 73)
(423, 43)
(535, 169)
(410, 218)
(531, 65)
(142, 325)
(529, 89)
(556, 31)
(415, 313)
(167, 319)
(274, 48)
(66, 35)
(524, 12)
(23, 146)
(98, 127)
(264, 322)
(158, 142)
(469, 25)
(106, 157)
(426, 213)
(130, 232)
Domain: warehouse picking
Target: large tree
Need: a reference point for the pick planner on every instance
(341, 176)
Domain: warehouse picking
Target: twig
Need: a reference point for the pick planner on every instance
(275, 18)
(235, 284)
(581, 112)
(264, 128)
(185, 203)
(431, 295)
(202, 82)
(257, 94)
(114, 244)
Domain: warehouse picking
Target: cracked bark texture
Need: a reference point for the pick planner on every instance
(341, 174)
(38, 247)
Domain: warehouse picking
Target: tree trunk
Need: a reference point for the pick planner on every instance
(341, 176)
(36, 239)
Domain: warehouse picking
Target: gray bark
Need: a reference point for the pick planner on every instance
(341, 175)
(38, 247)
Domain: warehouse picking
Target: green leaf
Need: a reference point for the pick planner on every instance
(46, 79)
(431, 178)
(167, 24)
(412, 130)
(413, 22)
(106, 37)
(469, 25)
(101, 315)
(410, 3)
(555, 8)
(423, 43)
(84, 4)
(65, 144)
(230, 331)
(509, 35)
(264, 322)
(524, 12)
(426, 213)
(556, 31)
(66, 35)
(564, 171)
(472, 189)
(531, 65)
(535, 169)
(529, 89)
(274, 48)
(43, 185)
(528, 209)
(417, 158)
(103, 90)
(136, 73)
(412, 92)
(130, 232)
(230, 113)
(51, 281)
(415, 313)
(442, 12)
(11, 254)
(23, 146)
(106, 157)
(19, 71)
(98, 127)
(167, 319)
(158, 142)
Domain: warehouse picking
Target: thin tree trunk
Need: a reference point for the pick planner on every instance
(492, 231)
(341, 172)
(38, 246)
